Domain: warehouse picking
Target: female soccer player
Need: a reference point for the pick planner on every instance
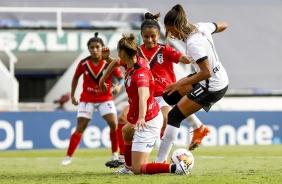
(205, 87)
(92, 97)
(144, 116)
(161, 58)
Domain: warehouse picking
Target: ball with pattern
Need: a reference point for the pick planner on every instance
(182, 154)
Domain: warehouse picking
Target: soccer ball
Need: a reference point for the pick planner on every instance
(182, 154)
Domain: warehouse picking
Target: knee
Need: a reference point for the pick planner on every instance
(121, 119)
(81, 124)
(173, 98)
(112, 125)
(136, 169)
(175, 116)
(127, 134)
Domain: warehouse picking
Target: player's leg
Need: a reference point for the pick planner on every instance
(165, 108)
(127, 132)
(184, 108)
(141, 151)
(84, 115)
(206, 99)
(122, 120)
(200, 130)
(108, 111)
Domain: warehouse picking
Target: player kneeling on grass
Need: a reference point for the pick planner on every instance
(144, 118)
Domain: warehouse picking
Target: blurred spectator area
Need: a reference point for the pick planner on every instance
(47, 41)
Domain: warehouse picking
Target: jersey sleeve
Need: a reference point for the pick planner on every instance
(117, 72)
(79, 70)
(173, 54)
(122, 64)
(208, 26)
(196, 50)
(142, 78)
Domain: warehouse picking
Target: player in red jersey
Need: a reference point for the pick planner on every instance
(93, 98)
(144, 116)
(161, 59)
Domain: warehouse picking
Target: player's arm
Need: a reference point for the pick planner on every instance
(73, 88)
(183, 59)
(115, 63)
(220, 26)
(144, 94)
(117, 87)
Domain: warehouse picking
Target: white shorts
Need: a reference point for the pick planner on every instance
(161, 101)
(86, 109)
(144, 140)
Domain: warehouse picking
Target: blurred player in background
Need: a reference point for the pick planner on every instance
(144, 117)
(92, 97)
(204, 88)
(161, 58)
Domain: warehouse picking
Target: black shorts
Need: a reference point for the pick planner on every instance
(205, 98)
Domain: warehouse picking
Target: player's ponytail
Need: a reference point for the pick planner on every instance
(177, 17)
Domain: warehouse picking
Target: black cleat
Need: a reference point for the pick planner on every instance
(114, 163)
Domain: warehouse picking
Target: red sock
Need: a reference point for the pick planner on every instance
(127, 153)
(114, 140)
(120, 139)
(74, 141)
(154, 168)
(162, 132)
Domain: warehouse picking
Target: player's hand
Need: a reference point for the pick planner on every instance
(172, 87)
(116, 88)
(102, 85)
(73, 101)
(140, 124)
(105, 52)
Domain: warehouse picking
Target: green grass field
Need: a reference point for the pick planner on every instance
(227, 164)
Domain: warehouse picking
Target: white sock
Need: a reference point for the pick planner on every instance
(193, 121)
(168, 139)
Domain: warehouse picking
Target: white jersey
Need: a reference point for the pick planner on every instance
(200, 46)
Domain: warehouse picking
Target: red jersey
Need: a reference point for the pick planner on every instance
(161, 59)
(91, 76)
(140, 76)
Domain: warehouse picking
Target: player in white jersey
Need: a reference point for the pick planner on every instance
(204, 88)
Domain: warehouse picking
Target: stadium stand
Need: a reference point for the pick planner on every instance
(244, 49)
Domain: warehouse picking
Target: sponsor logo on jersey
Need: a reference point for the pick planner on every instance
(160, 58)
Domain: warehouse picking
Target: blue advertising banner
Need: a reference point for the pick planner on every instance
(52, 130)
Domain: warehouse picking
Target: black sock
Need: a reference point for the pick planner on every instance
(172, 168)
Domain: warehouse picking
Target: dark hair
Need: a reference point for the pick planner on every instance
(95, 39)
(128, 44)
(150, 21)
(177, 17)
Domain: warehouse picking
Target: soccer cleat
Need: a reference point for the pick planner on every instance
(66, 161)
(124, 170)
(116, 163)
(182, 168)
(198, 135)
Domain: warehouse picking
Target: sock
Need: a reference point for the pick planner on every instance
(114, 140)
(162, 132)
(74, 141)
(127, 153)
(168, 139)
(154, 168)
(193, 121)
(120, 139)
(172, 168)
